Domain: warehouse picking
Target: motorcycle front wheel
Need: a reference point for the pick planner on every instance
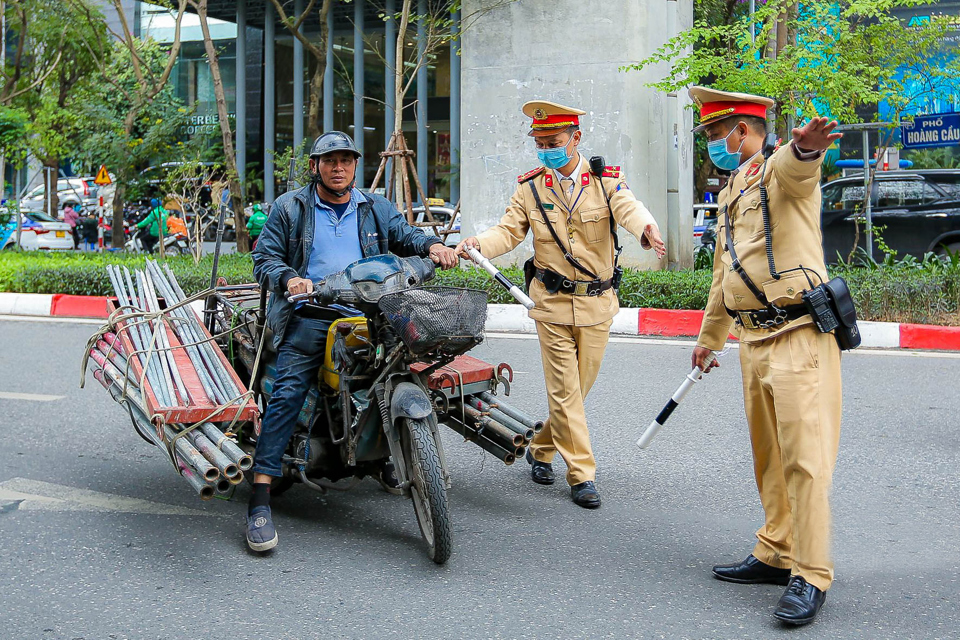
(427, 488)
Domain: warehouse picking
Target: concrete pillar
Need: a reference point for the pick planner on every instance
(505, 63)
(298, 66)
(358, 85)
(422, 140)
(241, 110)
(455, 110)
(269, 101)
(328, 77)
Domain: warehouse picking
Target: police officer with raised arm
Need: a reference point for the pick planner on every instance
(791, 369)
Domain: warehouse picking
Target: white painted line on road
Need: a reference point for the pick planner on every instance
(34, 397)
(36, 495)
(734, 345)
(64, 320)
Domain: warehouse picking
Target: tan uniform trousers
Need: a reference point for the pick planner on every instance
(571, 361)
(792, 394)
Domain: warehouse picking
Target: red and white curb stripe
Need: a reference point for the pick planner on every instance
(512, 318)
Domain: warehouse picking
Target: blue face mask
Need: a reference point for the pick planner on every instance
(721, 157)
(554, 158)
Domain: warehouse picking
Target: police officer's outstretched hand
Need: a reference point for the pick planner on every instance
(468, 242)
(652, 233)
(816, 135)
(700, 357)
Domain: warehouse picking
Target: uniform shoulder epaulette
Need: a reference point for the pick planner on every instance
(529, 175)
(611, 171)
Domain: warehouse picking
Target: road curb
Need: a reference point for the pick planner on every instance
(512, 318)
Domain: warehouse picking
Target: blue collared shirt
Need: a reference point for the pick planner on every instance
(336, 241)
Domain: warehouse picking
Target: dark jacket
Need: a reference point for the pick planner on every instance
(283, 249)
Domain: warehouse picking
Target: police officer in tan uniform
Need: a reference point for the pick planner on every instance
(568, 206)
(791, 371)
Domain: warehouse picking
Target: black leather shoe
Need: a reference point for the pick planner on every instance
(800, 603)
(540, 472)
(751, 571)
(585, 495)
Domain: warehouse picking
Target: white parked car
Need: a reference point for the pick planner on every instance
(75, 190)
(39, 232)
(442, 215)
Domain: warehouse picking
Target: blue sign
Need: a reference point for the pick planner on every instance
(942, 130)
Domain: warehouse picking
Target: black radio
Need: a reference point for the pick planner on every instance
(819, 307)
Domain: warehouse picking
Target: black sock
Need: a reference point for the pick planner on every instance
(260, 497)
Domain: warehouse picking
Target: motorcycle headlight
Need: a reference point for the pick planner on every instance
(371, 291)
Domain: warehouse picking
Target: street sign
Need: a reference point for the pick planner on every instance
(103, 178)
(940, 130)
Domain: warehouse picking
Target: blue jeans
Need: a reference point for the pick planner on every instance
(299, 359)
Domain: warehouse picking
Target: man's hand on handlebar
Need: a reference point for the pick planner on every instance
(296, 286)
(443, 256)
(469, 242)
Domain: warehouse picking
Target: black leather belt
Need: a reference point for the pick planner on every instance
(555, 282)
(769, 318)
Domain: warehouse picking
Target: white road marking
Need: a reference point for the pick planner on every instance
(60, 319)
(680, 342)
(36, 495)
(35, 397)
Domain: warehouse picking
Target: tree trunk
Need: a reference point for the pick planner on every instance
(236, 195)
(119, 195)
(399, 162)
(316, 99)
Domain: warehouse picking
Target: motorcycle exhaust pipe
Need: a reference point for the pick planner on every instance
(526, 432)
(513, 412)
(491, 428)
(484, 443)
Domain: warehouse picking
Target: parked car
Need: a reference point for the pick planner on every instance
(917, 212)
(73, 190)
(702, 216)
(39, 231)
(441, 213)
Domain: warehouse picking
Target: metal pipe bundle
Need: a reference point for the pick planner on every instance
(513, 412)
(490, 427)
(471, 434)
(494, 412)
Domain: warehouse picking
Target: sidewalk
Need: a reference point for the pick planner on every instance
(512, 318)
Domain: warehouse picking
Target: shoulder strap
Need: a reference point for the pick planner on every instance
(566, 254)
(613, 223)
(735, 262)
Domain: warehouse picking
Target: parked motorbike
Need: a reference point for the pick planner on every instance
(173, 243)
(368, 407)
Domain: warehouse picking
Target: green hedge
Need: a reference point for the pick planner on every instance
(886, 293)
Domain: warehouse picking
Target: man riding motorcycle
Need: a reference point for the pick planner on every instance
(311, 233)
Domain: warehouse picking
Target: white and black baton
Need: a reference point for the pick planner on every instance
(692, 378)
(501, 279)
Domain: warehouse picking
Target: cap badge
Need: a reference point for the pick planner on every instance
(540, 114)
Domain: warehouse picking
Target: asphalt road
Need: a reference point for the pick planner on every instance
(105, 541)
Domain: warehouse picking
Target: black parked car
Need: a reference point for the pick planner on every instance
(919, 212)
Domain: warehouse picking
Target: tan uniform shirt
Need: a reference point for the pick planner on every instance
(793, 194)
(583, 224)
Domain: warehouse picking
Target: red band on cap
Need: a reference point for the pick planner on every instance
(714, 110)
(556, 121)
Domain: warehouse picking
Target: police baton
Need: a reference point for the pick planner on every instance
(487, 266)
(692, 378)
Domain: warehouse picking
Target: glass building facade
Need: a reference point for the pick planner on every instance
(272, 79)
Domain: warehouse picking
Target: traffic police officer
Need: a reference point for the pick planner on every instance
(791, 371)
(568, 206)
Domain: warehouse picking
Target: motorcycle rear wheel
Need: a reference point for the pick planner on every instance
(427, 488)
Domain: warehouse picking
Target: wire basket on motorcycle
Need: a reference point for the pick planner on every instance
(447, 320)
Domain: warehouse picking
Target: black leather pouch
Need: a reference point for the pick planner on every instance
(838, 294)
(529, 273)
